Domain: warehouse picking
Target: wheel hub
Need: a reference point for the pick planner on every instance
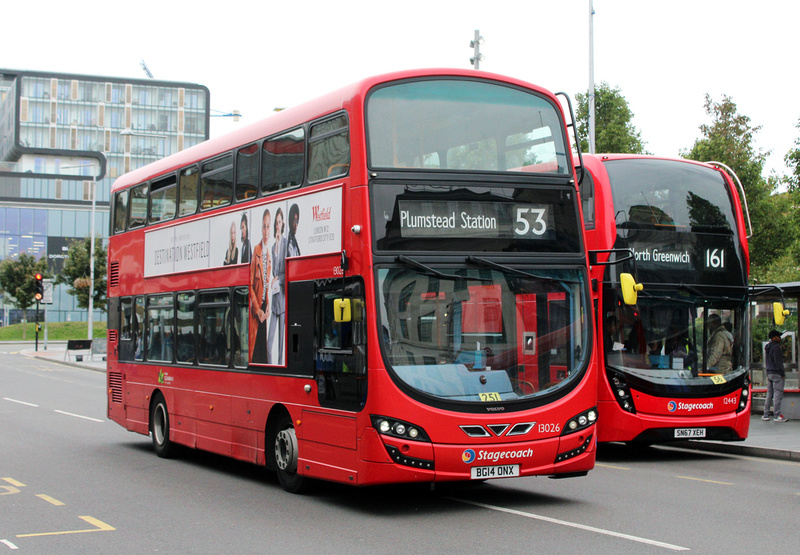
(286, 450)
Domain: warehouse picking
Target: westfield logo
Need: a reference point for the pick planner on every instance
(319, 214)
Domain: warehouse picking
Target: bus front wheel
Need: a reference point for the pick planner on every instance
(285, 456)
(159, 428)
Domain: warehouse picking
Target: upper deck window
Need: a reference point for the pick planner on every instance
(217, 183)
(120, 211)
(670, 196)
(328, 149)
(282, 161)
(163, 198)
(138, 215)
(464, 125)
(188, 191)
(247, 172)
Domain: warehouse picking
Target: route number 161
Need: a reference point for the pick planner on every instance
(715, 258)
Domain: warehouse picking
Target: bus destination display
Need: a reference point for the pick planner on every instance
(465, 219)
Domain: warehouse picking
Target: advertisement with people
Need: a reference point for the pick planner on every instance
(262, 237)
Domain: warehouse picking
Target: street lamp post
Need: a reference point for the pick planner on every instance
(91, 261)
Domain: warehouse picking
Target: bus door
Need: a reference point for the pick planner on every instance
(340, 346)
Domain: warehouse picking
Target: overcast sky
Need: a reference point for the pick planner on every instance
(256, 56)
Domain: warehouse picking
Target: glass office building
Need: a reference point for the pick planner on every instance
(59, 134)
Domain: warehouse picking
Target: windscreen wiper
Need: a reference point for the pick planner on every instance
(436, 273)
(503, 268)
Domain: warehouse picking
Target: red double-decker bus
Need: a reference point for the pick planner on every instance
(386, 284)
(675, 363)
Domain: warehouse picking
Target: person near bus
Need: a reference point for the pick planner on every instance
(232, 254)
(278, 306)
(776, 376)
(260, 274)
(245, 240)
(720, 346)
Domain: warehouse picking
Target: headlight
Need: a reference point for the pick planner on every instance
(398, 428)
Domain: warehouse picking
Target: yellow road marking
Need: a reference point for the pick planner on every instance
(99, 526)
(49, 499)
(13, 482)
(709, 481)
(9, 490)
(612, 466)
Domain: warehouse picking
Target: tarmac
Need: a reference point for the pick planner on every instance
(767, 439)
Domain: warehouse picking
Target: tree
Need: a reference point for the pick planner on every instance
(614, 131)
(17, 278)
(729, 139)
(792, 160)
(75, 273)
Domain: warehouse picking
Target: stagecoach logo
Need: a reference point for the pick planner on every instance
(672, 406)
(468, 456)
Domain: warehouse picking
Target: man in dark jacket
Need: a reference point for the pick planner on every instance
(776, 376)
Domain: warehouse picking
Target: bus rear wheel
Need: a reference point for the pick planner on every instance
(285, 456)
(159, 428)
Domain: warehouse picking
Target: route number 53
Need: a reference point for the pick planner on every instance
(531, 220)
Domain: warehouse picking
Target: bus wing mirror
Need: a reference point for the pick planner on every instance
(341, 310)
(630, 289)
(779, 313)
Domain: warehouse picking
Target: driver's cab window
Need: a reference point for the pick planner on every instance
(341, 347)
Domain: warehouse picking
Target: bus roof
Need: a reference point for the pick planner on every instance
(293, 117)
(607, 157)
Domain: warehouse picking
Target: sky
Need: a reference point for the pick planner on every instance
(664, 57)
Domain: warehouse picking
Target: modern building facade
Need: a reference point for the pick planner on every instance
(63, 135)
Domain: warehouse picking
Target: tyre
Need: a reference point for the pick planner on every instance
(285, 456)
(159, 428)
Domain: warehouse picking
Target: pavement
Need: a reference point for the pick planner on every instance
(767, 439)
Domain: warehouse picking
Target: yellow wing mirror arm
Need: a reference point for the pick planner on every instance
(630, 289)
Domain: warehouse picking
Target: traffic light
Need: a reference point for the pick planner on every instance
(39, 290)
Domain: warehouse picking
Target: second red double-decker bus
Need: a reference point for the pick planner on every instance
(386, 284)
(675, 363)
